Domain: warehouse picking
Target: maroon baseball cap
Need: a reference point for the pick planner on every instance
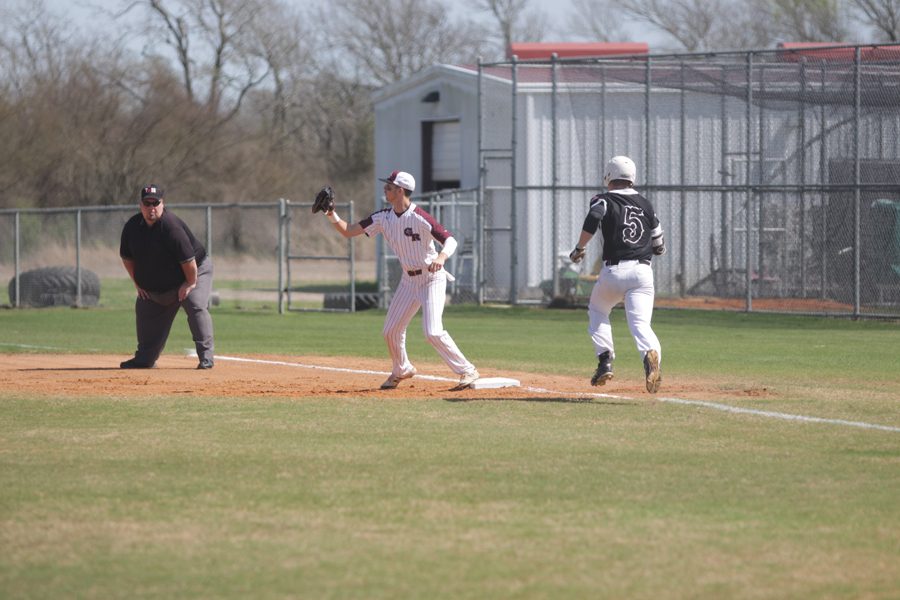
(152, 192)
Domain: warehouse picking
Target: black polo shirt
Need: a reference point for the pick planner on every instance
(159, 251)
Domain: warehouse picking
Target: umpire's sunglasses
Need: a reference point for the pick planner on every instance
(149, 203)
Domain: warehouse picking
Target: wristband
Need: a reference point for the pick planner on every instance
(333, 216)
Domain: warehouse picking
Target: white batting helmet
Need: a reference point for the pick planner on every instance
(620, 167)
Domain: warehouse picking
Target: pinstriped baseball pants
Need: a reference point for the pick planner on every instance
(427, 290)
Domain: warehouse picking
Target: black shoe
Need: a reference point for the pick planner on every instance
(604, 370)
(134, 364)
(651, 370)
(206, 363)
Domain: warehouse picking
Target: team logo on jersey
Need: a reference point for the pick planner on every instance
(408, 232)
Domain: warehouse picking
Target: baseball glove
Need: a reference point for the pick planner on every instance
(324, 200)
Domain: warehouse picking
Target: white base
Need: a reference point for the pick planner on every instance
(487, 383)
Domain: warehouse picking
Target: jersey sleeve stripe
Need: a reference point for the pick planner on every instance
(437, 230)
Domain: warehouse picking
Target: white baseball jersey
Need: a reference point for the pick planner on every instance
(412, 235)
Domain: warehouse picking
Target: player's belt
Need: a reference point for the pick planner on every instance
(612, 263)
(414, 272)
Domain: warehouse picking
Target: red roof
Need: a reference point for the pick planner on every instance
(544, 50)
(832, 51)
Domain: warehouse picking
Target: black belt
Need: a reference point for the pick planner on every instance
(611, 263)
(414, 273)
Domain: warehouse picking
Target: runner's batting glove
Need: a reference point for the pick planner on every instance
(576, 255)
(324, 200)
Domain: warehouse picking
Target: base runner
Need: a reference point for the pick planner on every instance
(411, 233)
(632, 235)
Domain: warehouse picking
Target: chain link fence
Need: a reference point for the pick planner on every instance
(775, 174)
(262, 256)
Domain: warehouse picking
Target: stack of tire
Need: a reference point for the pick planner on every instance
(55, 286)
(342, 301)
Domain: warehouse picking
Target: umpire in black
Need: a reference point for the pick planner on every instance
(170, 270)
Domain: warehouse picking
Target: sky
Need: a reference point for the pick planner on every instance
(81, 12)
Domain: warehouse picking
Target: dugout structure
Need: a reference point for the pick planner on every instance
(775, 173)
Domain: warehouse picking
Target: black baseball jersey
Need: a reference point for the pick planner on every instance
(628, 224)
(158, 251)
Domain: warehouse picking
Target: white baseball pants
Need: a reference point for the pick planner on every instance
(632, 282)
(429, 291)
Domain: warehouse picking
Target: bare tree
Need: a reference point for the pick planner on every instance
(697, 25)
(700, 25)
(808, 20)
(516, 21)
(881, 15)
(591, 19)
(214, 44)
(286, 44)
(389, 40)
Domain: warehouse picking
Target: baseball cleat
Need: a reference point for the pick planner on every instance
(134, 364)
(394, 380)
(651, 368)
(467, 379)
(604, 370)
(206, 363)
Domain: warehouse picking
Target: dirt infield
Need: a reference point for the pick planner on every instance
(92, 375)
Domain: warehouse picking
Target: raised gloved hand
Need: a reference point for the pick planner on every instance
(324, 200)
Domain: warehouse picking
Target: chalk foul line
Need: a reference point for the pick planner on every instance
(681, 401)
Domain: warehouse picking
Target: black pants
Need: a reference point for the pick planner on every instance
(155, 317)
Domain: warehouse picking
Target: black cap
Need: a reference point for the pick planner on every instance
(152, 192)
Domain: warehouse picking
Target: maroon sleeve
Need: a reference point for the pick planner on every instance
(437, 230)
(367, 222)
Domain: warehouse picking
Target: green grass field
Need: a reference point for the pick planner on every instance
(547, 497)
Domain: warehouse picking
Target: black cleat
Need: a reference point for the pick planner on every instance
(604, 370)
(206, 363)
(651, 370)
(134, 364)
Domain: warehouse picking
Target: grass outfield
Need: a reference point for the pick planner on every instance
(268, 498)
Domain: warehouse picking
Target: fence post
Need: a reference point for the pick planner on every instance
(78, 258)
(726, 261)
(748, 188)
(648, 81)
(478, 267)
(352, 250)
(209, 230)
(554, 143)
(17, 257)
(803, 177)
(823, 170)
(682, 175)
(761, 196)
(282, 224)
(514, 209)
(857, 240)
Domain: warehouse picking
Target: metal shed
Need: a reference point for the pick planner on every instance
(769, 169)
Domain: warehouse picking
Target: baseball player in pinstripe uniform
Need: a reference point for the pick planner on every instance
(632, 235)
(411, 233)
